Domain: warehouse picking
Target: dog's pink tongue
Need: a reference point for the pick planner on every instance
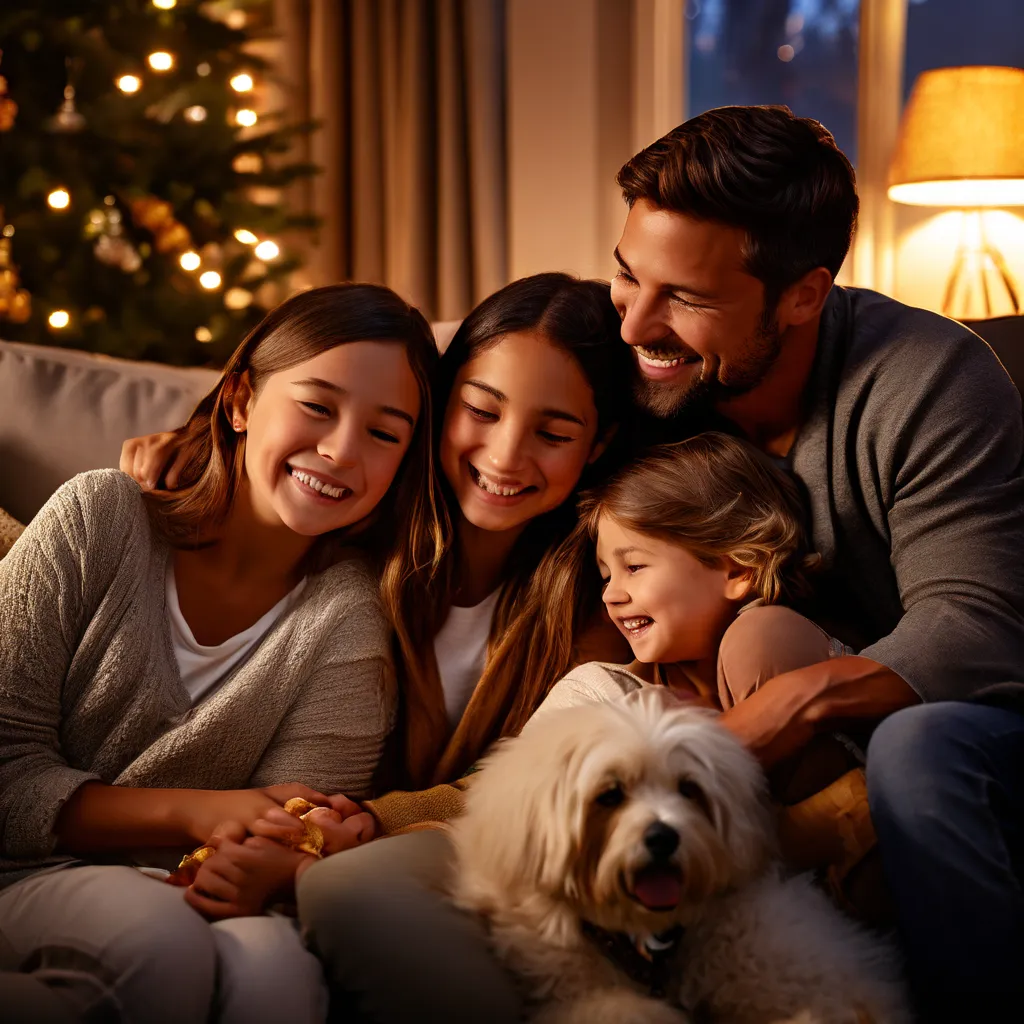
(657, 888)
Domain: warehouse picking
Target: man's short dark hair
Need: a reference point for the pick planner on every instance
(778, 177)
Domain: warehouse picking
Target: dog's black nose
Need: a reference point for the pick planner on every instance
(661, 840)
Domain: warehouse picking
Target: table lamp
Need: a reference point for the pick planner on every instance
(961, 144)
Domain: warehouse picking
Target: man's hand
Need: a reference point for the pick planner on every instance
(244, 875)
(147, 459)
(779, 719)
(340, 833)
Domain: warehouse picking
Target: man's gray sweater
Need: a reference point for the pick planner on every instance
(912, 456)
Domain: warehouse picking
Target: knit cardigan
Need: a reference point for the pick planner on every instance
(90, 688)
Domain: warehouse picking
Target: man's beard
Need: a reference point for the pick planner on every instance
(703, 393)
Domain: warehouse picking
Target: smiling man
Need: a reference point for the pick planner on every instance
(906, 433)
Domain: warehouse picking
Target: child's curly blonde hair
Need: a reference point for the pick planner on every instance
(720, 498)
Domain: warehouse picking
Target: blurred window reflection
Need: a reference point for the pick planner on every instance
(802, 53)
(948, 33)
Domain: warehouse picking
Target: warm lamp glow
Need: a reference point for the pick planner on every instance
(960, 140)
(59, 199)
(189, 260)
(246, 237)
(246, 118)
(242, 83)
(160, 61)
(959, 145)
(210, 280)
(267, 250)
(129, 83)
(164, 5)
(59, 319)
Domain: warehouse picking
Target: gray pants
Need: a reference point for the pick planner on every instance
(393, 948)
(107, 945)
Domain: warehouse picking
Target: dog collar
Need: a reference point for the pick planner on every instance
(646, 960)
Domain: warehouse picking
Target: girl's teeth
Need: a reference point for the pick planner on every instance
(484, 484)
(636, 623)
(318, 485)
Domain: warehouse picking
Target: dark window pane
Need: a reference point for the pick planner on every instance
(802, 53)
(948, 33)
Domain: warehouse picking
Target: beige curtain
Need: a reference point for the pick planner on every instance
(410, 94)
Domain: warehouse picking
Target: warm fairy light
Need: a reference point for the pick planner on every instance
(59, 319)
(210, 280)
(59, 199)
(246, 118)
(242, 82)
(160, 61)
(246, 237)
(129, 83)
(189, 260)
(202, 70)
(267, 250)
(204, 335)
(164, 5)
(236, 19)
(195, 113)
(237, 298)
(785, 53)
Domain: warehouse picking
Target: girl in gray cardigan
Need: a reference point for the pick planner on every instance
(171, 661)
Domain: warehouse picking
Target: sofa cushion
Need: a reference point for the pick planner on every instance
(63, 412)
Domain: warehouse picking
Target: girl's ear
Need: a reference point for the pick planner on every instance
(601, 444)
(739, 582)
(238, 401)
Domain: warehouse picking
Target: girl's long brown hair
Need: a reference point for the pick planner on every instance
(300, 328)
(527, 652)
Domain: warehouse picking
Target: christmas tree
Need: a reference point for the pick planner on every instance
(141, 191)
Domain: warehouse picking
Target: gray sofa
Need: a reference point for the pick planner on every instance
(62, 412)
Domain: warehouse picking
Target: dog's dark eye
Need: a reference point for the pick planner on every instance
(690, 790)
(611, 797)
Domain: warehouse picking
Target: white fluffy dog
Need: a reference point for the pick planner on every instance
(645, 819)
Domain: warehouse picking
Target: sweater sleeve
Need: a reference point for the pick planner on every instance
(45, 585)
(955, 511)
(333, 735)
(590, 682)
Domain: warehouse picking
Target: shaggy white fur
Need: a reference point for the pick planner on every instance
(635, 816)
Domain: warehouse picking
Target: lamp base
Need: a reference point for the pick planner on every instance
(979, 270)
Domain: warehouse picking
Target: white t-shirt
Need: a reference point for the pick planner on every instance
(461, 651)
(203, 669)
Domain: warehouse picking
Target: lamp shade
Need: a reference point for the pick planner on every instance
(961, 140)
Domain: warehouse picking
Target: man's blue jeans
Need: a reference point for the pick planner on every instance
(946, 788)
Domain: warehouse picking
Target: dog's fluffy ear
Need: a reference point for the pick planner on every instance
(513, 835)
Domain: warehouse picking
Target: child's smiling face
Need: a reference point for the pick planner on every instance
(670, 606)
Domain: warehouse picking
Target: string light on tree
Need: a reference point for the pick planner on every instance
(237, 298)
(246, 237)
(129, 84)
(267, 250)
(203, 69)
(161, 60)
(242, 82)
(195, 113)
(210, 280)
(235, 19)
(204, 335)
(189, 260)
(59, 199)
(59, 319)
(247, 163)
(246, 118)
(165, 5)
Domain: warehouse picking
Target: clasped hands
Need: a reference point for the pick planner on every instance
(255, 862)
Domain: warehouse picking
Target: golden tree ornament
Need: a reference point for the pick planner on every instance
(8, 108)
(15, 301)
